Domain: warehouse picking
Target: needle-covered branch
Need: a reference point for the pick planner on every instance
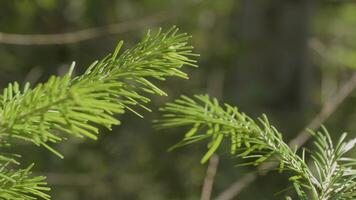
(78, 105)
(259, 142)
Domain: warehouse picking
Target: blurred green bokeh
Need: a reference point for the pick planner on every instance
(282, 58)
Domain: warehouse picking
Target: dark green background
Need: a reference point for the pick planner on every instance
(279, 57)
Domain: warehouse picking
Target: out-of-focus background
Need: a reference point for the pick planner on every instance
(285, 58)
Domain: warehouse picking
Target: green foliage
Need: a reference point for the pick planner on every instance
(17, 184)
(77, 106)
(334, 176)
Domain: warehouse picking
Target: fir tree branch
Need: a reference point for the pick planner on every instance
(259, 142)
(76, 106)
(328, 108)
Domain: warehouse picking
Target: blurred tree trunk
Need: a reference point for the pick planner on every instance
(274, 53)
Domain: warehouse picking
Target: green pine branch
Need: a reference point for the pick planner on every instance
(336, 173)
(78, 105)
(258, 142)
(20, 185)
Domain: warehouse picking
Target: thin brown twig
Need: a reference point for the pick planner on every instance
(329, 107)
(210, 177)
(215, 87)
(78, 36)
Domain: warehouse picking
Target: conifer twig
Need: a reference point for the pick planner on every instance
(329, 107)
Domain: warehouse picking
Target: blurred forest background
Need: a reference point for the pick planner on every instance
(285, 58)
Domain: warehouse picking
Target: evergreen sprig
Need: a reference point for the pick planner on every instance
(78, 105)
(334, 177)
